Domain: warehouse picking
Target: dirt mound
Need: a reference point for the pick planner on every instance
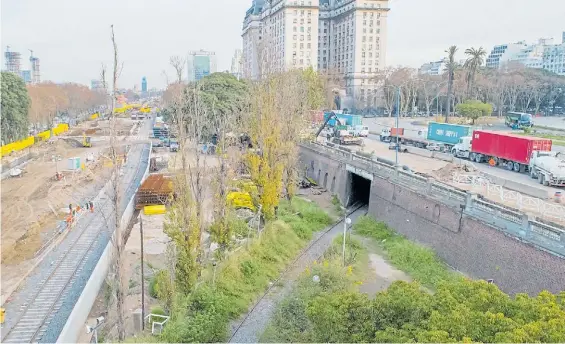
(446, 173)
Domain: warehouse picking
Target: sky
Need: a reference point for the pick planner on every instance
(72, 37)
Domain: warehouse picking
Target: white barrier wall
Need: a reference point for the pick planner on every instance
(79, 315)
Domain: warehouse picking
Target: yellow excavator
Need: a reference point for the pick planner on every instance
(86, 141)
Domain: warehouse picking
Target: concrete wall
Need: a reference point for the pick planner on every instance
(466, 244)
(449, 223)
(317, 166)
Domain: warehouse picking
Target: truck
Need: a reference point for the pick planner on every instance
(360, 130)
(387, 134)
(447, 135)
(548, 168)
(500, 149)
(518, 120)
(396, 135)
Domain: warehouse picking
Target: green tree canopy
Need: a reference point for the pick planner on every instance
(460, 311)
(224, 94)
(15, 108)
(474, 109)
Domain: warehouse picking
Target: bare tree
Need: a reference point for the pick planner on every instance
(116, 195)
(430, 89)
(178, 63)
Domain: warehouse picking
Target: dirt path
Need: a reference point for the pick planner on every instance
(381, 274)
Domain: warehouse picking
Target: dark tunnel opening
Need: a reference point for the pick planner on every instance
(360, 190)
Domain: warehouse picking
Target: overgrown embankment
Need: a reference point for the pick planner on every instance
(330, 308)
(204, 314)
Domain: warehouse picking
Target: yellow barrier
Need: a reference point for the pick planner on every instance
(44, 135)
(61, 128)
(154, 210)
(17, 146)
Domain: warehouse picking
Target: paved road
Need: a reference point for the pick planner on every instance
(426, 165)
(39, 310)
(411, 130)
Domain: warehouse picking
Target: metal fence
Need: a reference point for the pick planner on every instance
(537, 206)
(550, 238)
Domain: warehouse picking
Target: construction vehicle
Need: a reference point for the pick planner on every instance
(548, 168)
(339, 134)
(86, 141)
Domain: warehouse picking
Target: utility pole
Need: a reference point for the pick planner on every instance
(397, 117)
(346, 221)
(142, 276)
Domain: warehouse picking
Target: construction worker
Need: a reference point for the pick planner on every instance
(69, 221)
(87, 206)
(70, 208)
(91, 207)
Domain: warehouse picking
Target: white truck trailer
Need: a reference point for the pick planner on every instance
(548, 168)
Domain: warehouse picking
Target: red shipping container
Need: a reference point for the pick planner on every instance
(506, 146)
(393, 131)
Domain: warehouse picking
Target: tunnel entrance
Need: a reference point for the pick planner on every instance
(359, 189)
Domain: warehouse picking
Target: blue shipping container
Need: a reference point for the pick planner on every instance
(447, 133)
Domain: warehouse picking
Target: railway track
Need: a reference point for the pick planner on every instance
(357, 207)
(49, 294)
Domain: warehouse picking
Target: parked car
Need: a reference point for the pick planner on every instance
(401, 147)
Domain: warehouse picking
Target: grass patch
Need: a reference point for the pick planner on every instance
(337, 206)
(203, 316)
(421, 263)
(558, 140)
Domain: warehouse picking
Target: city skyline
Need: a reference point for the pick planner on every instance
(416, 32)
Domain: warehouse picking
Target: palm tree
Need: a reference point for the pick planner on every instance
(475, 59)
(450, 67)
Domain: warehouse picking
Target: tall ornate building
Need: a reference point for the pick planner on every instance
(344, 38)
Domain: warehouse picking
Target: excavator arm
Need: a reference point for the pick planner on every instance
(333, 115)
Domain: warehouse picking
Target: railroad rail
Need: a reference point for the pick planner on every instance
(46, 300)
(357, 207)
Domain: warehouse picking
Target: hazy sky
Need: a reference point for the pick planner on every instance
(72, 37)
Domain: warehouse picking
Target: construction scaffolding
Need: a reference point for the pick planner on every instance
(157, 189)
(13, 61)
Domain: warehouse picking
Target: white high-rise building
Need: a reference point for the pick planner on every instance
(543, 54)
(344, 38)
(279, 35)
(236, 63)
(433, 68)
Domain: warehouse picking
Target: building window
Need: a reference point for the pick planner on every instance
(309, 45)
(309, 37)
(294, 37)
(294, 29)
(302, 29)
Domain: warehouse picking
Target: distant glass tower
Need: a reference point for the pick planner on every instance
(143, 85)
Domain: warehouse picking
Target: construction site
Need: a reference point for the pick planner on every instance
(40, 182)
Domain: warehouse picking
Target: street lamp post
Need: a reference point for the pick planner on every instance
(397, 117)
(90, 329)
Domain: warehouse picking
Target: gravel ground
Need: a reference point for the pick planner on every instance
(250, 327)
(16, 304)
